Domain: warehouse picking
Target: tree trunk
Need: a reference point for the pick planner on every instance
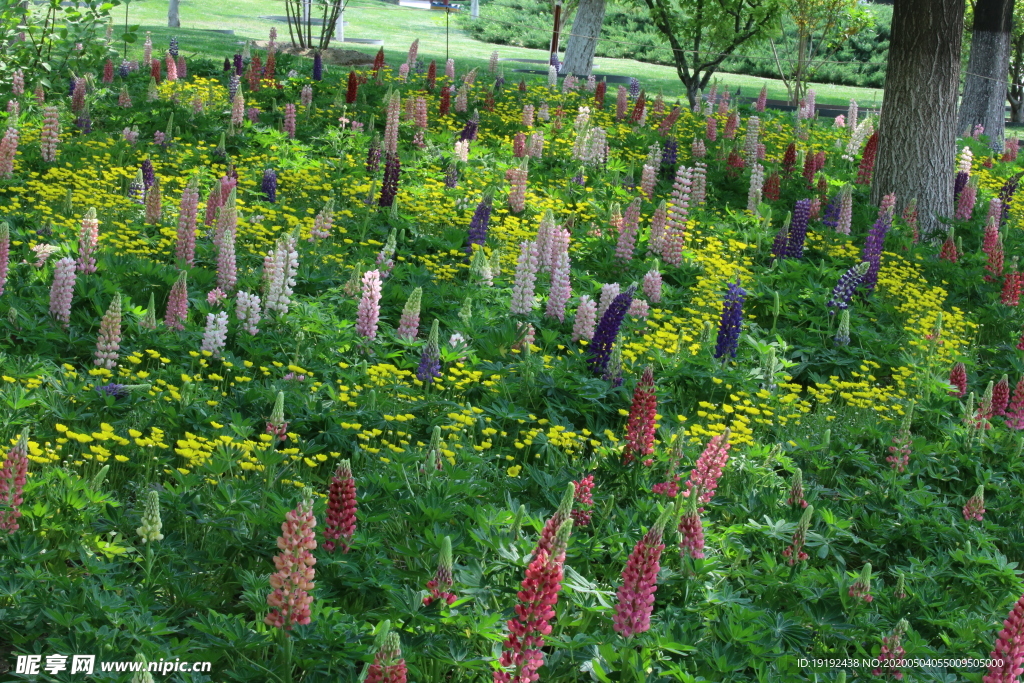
(172, 15)
(586, 29)
(917, 127)
(985, 81)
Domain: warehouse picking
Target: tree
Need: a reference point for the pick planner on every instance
(985, 91)
(586, 30)
(172, 15)
(1016, 71)
(820, 28)
(300, 21)
(702, 33)
(917, 128)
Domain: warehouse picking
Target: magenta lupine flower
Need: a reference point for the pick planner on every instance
(642, 419)
(526, 278)
(966, 200)
(892, 652)
(185, 246)
(708, 469)
(522, 656)
(517, 189)
(215, 335)
(13, 474)
(958, 378)
(368, 313)
(561, 288)
(8, 151)
(5, 253)
(182, 67)
(1001, 396)
(795, 552)
(975, 508)
(290, 599)
(109, 340)
(247, 310)
(861, 588)
(1009, 649)
(675, 229)
(153, 204)
(656, 239)
(50, 135)
(62, 290)
(627, 236)
(440, 586)
(177, 304)
(213, 202)
(227, 269)
(586, 320)
(341, 509)
(621, 103)
(289, 120)
(639, 582)
(691, 532)
(584, 496)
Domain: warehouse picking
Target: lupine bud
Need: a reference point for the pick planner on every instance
(795, 551)
(842, 337)
(861, 588)
(796, 490)
(151, 523)
(440, 586)
(975, 508)
(408, 327)
(429, 368)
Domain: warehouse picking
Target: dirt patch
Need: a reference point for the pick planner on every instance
(331, 55)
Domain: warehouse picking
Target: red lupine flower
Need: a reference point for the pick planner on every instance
(13, 473)
(867, 161)
(735, 163)
(789, 159)
(642, 415)
(892, 652)
(388, 665)
(440, 586)
(378, 61)
(290, 599)
(708, 469)
(772, 187)
(1001, 396)
(353, 87)
(584, 498)
(958, 378)
(1009, 649)
(691, 532)
(1010, 294)
(522, 653)
(639, 582)
(1015, 411)
(341, 508)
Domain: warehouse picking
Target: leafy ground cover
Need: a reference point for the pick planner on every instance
(452, 323)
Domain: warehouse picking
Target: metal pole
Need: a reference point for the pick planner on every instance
(447, 15)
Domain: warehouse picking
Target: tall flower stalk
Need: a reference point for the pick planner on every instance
(341, 509)
(290, 599)
(13, 475)
(639, 582)
(608, 330)
(109, 340)
(642, 419)
(440, 586)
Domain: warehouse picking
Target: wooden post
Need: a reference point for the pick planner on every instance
(554, 33)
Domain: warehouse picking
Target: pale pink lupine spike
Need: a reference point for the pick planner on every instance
(290, 599)
(109, 340)
(586, 319)
(62, 290)
(13, 475)
(368, 312)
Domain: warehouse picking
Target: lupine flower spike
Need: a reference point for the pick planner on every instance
(12, 482)
(388, 665)
(639, 581)
(861, 588)
(551, 526)
(290, 599)
(899, 451)
(583, 509)
(642, 420)
(429, 368)
(109, 340)
(892, 652)
(151, 523)
(796, 490)
(341, 509)
(795, 552)
(440, 586)
(975, 508)
(276, 425)
(1008, 653)
(691, 531)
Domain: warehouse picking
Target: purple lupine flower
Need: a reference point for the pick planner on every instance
(798, 229)
(233, 83)
(780, 245)
(318, 66)
(873, 250)
(239, 67)
(269, 186)
(959, 184)
(469, 132)
(1006, 193)
(115, 390)
(831, 219)
(478, 226)
(670, 153)
(148, 174)
(844, 289)
(389, 187)
(373, 156)
(634, 88)
(451, 176)
(607, 330)
(731, 322)
(429, 368)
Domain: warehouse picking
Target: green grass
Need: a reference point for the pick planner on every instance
(399, 26)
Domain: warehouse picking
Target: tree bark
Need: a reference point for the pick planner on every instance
(172, 15)
(985, 88)
(586, 29)
(917, 127)
(1015, 93)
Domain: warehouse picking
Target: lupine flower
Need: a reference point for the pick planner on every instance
(652, 284)
(318, 66)
(586, 319)
(656, 238)
(177, 305)
(109, 339)
(517, 189)
(975, 508)
(1012, 280)
(8, 149)
(796, 490)
(731, 124)
(948, 251)
(341, 509)
(50, 136)
(691, 532)
(290, 599)
(1008, 653)
(540, 587)
(1015, 411)
(440, 586)
(861, 588)
(993, 249)
(1001, 396)
(847, 285)
(408, 327)
(185, 244)
(966, 200)
(227, 270)
(958, 378)
(561, 288)
(247, 310)
(429, 368)
(13, 475)
(639, 582)
(789, 159)
(873, 250)
(627, 235)
(892, 652)
(731, 321)
(154, 208)
(756, 186)
(548, 534)
(607, 330)
(867, 162)
(5, 253)
(708, 469)
(642, 419)
(62, 290)
(525, 280)
(584, 501)
(151, 523)
(389, 186)
(368, 312)
(216, 333)
(675, 229)
(795, 551)
(478, 225)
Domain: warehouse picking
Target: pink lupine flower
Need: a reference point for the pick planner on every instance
(394, 108)
(40, 95)
(966, 200)
(547, 540)
(18, 83)
(247, 310)
(213, 202)
(279, 268)
(708, 469)
(78, 95)
(182, 67)
(992, 246)
(561, 288)
(757, 185)
(147, 48)
(583, 509)
(420, 113)
(13, 474)
(795, 552)
(528, 115)
(62, 290)
(388, 665)
(289, 120)
(642, 421)
(8, 151)
(1015, 411)
(525, 279)
(652, 284)
(109, 341)
(306, 96)
(449, 69)
(172, 67)
(290, 599)
(154, 208)
(861, 588)
(1008, 653)
(238, 109)
(691, 532)
(1001, 396)
(892, 652)
(215, 297)
(519, 145)
(522, 656)
(639, 582)
(711, 128)
(975, 508)
(535, 145)
(675, 229)
(341, 509)
(227, 269)
(621, 103)
(185, 245)
(517, 189)
(440, 586)
(586, 322)
(656, 239)
(958, 378)
(627, 236)
(177, 304)
(50, 135)
(648, 178)
(124, 100)
(5, 253)
(368, 313)
(698, 149)
(731, 124)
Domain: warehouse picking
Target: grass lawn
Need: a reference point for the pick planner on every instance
(399, 26)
